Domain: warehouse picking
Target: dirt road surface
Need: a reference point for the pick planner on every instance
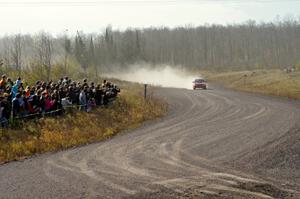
(213, 144)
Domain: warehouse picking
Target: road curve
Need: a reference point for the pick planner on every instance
(213, 144)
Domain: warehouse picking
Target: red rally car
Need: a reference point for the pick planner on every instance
(199, 83)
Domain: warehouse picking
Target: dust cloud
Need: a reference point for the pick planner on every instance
(165, 76)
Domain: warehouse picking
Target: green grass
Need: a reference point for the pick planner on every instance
(271, 82)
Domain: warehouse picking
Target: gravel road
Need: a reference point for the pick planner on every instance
(213, 144)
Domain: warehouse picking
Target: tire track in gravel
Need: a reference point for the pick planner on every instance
(210, 145)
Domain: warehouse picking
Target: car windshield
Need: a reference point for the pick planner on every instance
(199, 81)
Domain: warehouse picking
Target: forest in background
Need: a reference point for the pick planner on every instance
(246, 46)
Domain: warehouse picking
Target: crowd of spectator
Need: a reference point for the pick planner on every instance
(19, 101)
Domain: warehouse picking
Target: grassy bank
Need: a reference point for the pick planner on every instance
(271, 82)
(78, 128)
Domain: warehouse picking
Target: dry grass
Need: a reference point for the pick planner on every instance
(78, 128)
(271, 82)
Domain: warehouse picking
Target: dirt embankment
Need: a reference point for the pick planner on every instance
(271, 82)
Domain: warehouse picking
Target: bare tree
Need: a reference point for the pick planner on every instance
(80, 52)
(67, 49)
(6, 53)
(45, 52)
(92, 57)
(240, 46)
(16, 53)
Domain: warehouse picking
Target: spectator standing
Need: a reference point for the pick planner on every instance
(66, 103)
(48, 102)
(3, 120)
(91, 104)
(6, 103)
(82, 99)
(51, 96)
(14, 90)
(5, 110)
(99, 95)
(3, 83)
(16, 105)
(9, 82)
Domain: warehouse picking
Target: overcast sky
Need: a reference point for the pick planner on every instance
(31, 16)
